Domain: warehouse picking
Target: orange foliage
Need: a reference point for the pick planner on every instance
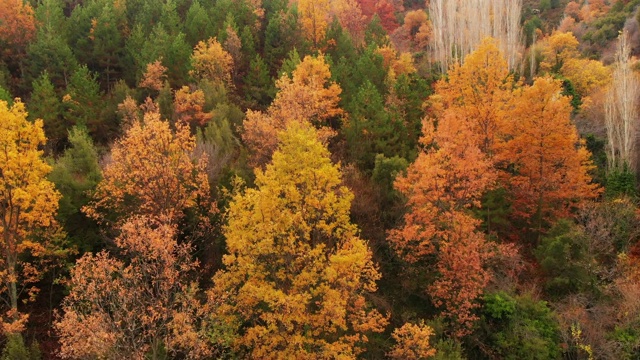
(550, 163)
(314, 16)
(308, 97)
(134, 307)
(418, 27)
(152, 173)
(396, 64)
(350, 16)
(17, 26)
(441, 185)
(386, 13)
(480, 90)
(155, 76)
(188, 106)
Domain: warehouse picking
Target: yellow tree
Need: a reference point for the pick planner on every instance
(27, 202)
(309, 96)
(137, 307)
(412, 342)
(558, 48)
(211, 62)
(586, 75)
(151, 172)
(314, 16)
(547, 162)
(297, 273)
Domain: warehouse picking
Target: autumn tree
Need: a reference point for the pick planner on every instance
(140, 306)
(211, 62)
(386, 14)
(417, 28)
(154, 77)
(586, 75)
(297, 273)
(481, 90)
(309, 96)
(189, 106)
(412, 342)
(151, 172)
(547, 165)
(314, 19)
(28, 203)
(441, 185)
(556, 49)
(350, 17)
(17, 27)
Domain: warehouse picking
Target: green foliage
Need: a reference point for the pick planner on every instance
(372, 131)
(596, 147)
(519, 327)
(197, 25)
(530, 28)
(627, 339)
(45, 104)
(259, 88)
(50, 53)
(448, 349)
(83, 97)
(494, 212)
(75, 174)
(569, 90)
(545, 5)
(621, 182)
(282, 36)
(375, 34)
(607, 27)
(352, 74)
(500, 306)
(15, 349)
(565, 260)
(290, 63)
(409, 92)
(386, 170)
(6, 96)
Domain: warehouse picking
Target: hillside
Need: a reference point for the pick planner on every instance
(314, 179)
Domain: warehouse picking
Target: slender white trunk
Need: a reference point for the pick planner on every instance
(460, 25)
(621, 109)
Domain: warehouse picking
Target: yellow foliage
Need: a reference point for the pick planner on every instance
(296, 272)
(586, 75)
(211, 62)
(314, 18)
(412, 342)
(27, 199)
(558, 48)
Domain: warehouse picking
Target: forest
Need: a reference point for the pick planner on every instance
(319, 179)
